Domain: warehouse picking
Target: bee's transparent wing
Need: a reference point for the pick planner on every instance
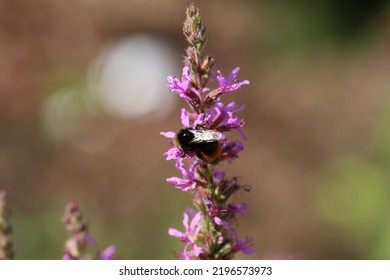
(204, 136)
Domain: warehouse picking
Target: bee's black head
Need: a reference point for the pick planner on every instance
(185, 135)
(184, 138)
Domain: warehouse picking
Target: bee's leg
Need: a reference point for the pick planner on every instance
(200, 155)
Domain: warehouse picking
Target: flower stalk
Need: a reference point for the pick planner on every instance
(209, 233)
(6, 242)
(76, 247)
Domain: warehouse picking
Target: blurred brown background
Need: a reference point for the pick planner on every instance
(83, 98)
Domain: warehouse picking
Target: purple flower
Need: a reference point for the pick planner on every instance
(108, 253)
(225, 85)
(201, 120)
(190, 178)
(230, 186)
(235, 123)
(198, 119)
(180, 87)
(230, 83)
(240, 245)
(168, 134)
(223, 223)
(233, 209)
(190, 235)
(244, 246)
(66, 257)
(214, 209)
(218, 175)
(230, 151)
(174, 152)
(223, 118)
(185, 118)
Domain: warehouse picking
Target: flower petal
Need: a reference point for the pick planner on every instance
(243, 246)
(195, 221)
(176, 233)
(199, 121)
(108, 253)
(197, 250)
(232, 75)
(185, 119)
(168, 134)
(185, 221)
(176, 181)
(173, 153)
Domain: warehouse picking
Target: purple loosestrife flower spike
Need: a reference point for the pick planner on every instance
(80, 239)
(200, 146)
(6, 243)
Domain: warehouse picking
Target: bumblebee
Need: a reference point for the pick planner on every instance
(205, 143)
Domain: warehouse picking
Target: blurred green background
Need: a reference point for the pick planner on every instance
(83, 98)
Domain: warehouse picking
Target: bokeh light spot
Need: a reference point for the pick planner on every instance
(129, 78)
